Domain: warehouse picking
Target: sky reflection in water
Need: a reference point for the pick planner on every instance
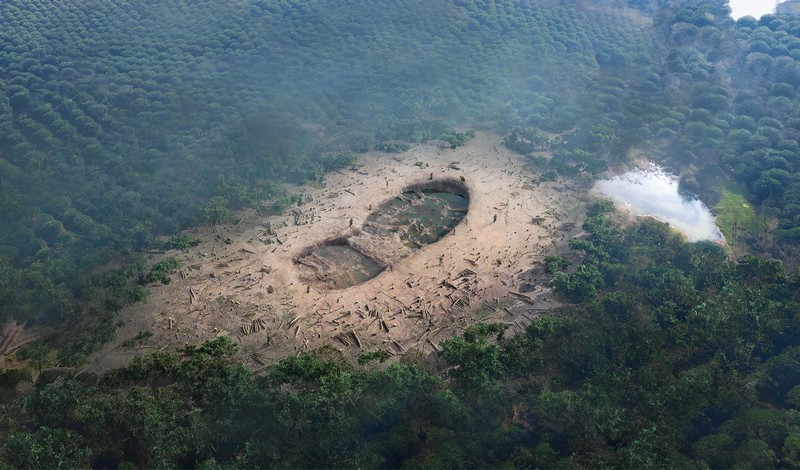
(652, 192)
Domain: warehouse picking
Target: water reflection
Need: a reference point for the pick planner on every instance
(652, 192)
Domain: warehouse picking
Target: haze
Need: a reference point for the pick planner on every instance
(362, 234)
(754, 8)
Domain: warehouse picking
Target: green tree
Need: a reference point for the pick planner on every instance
(478, 360)
(36, 352)
(46, 448)
(217, 211)
(580, 285)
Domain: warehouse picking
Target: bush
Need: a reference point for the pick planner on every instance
(554, 263)
(160, 271)
(181, 242)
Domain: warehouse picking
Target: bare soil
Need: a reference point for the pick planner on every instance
(244, 281)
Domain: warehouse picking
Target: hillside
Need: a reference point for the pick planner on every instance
(121, 121)
(359, 234)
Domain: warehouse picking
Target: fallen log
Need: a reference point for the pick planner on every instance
(355, 335)
(259, 359)
(8, 339)
(448, 284)
(526, 316)
(522, 297)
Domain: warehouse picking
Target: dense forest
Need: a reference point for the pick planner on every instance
(122, 123)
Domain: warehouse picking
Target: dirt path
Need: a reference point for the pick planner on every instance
(243, 280)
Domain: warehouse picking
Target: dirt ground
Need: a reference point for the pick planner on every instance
(243, 281)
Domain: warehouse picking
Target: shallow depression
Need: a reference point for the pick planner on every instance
(339, 266)
(421, 215)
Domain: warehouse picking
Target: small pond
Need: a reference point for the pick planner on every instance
(650, 191)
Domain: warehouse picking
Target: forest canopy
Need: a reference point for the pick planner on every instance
(122, 123)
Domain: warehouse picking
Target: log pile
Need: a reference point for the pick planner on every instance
(303, 218)
(257, 325)
(260, 358)
(349, 338)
